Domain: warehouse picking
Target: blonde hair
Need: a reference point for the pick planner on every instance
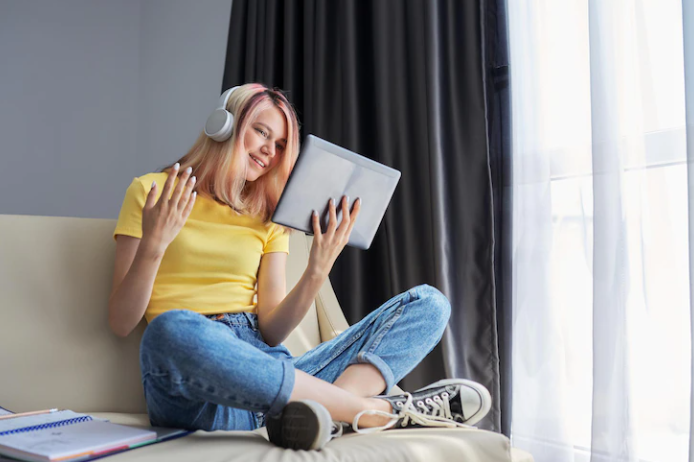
(220, 167)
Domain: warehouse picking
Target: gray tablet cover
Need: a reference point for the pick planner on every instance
(324, 170)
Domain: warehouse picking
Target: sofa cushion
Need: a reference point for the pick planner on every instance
(416, 445)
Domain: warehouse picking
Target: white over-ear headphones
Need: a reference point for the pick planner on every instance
(220, 123)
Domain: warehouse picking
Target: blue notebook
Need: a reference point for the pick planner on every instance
(69, 436)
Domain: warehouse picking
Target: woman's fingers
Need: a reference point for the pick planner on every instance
(347, 223)
(151, 197)
(186, 198)
(353, 216)
(332, 225)
(316, 225)
(346, 219)
(164, 198)
(182, 183)
(189, 205)
(349, 219)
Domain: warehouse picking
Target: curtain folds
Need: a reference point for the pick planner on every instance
(499, 125)
(688, 52)
(601, 280)
(405, 83)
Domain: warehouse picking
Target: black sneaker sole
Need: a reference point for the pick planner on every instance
(301, 425)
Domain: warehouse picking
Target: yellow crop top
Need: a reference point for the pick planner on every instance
(212, 265)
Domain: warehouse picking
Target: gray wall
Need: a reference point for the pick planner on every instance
(96, 92)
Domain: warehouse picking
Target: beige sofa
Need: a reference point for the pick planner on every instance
(57, 351)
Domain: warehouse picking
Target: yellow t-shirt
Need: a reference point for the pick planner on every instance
(212, 265)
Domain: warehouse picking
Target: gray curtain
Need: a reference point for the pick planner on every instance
(406, 83)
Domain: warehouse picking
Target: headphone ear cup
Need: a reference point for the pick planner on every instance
(219, 125)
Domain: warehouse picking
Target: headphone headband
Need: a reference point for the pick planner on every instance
(224, 99)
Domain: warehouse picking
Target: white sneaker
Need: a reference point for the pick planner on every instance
(446, 403)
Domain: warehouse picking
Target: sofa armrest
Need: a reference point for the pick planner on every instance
(331, 320)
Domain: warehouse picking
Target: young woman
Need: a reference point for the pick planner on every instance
(211, 356)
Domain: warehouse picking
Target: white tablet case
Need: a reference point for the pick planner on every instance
(325, 170)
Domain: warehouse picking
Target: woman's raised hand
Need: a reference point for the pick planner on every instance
(162, 221)
(328, 246)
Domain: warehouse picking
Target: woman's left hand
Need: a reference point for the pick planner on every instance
(328, 246)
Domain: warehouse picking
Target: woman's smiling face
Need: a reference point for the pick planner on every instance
(265, 140)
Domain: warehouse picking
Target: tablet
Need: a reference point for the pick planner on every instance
(324, 170)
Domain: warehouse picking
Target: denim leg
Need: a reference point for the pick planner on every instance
(394, 338)
(202, 374)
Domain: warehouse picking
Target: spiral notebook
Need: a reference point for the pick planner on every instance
(66, 436)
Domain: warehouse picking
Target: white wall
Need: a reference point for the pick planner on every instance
(96, 92)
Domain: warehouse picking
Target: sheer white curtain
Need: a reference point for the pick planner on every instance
(601, 323)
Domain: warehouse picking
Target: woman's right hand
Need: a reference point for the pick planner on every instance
(162, 221)
(328, 246)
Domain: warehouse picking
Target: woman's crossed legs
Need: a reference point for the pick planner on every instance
(220, 375)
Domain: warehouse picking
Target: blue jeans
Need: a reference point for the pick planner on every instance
(201, 373)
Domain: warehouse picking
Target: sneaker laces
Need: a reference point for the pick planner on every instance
(436, 414)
